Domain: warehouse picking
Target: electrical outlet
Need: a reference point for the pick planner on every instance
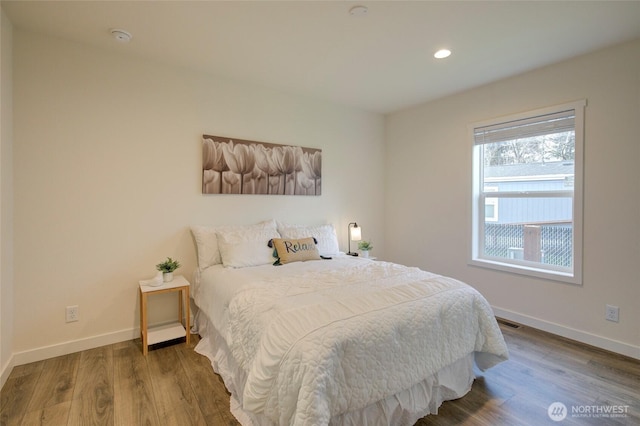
(72, 313)
(612, 313)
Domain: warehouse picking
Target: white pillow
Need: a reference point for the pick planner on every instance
(207, 246)
(246, 247)
(325, 234)
(207, 241)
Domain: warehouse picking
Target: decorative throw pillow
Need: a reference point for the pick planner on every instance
(324, 234)
(295, 250)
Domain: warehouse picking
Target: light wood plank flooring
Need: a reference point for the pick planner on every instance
(116, 385)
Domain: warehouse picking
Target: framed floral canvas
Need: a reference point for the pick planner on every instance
(236, 166)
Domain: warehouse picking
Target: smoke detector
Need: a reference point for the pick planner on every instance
(358, 11)
(121, 35)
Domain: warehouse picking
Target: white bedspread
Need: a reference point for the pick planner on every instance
(318, 339)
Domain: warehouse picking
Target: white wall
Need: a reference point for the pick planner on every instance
(107, 163)
(106, 166)
(428, 195)
(6, 200)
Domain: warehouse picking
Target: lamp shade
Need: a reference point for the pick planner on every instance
(356, 233)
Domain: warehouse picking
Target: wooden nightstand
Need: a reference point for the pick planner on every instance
(153, 335)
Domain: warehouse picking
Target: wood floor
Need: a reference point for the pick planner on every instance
(116, 385)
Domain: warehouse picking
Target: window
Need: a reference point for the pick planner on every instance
(530, 165)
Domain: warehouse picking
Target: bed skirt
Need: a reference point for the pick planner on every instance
(401, 409)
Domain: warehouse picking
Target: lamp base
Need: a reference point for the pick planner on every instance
(352, 254)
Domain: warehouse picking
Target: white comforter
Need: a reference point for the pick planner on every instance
(318, 339)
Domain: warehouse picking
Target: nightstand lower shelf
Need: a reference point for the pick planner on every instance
(162, 333)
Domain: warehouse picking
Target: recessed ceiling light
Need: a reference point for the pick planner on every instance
(442, 53)
(121, 35)
(358, 11)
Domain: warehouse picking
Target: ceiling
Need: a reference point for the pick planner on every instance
(380, 62)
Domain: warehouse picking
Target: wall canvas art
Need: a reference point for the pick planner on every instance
(236, 166)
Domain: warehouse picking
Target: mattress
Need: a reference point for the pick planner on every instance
(342, 341)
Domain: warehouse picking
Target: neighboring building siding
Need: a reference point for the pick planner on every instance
(531, 178)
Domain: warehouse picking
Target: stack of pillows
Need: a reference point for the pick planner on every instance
(268, 242)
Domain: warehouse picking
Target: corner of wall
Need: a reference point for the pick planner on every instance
(5, 371)
(6, 198)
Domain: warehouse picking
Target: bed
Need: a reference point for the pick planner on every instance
(333, 339)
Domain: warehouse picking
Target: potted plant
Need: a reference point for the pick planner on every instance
(167, 267)
(365, 247)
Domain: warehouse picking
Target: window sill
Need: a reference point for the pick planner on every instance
(530, 271)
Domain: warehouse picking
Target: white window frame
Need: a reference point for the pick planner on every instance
(571, 275)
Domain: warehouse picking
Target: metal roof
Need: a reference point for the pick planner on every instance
(530, 169)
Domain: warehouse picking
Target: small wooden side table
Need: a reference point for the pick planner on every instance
(162, 333)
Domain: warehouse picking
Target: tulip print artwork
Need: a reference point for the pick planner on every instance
(235, 166)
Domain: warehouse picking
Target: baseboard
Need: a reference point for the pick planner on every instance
(570, 333)
(6, 370)
(64, 348)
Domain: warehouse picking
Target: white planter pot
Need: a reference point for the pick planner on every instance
(167, 277)
(365, 253)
